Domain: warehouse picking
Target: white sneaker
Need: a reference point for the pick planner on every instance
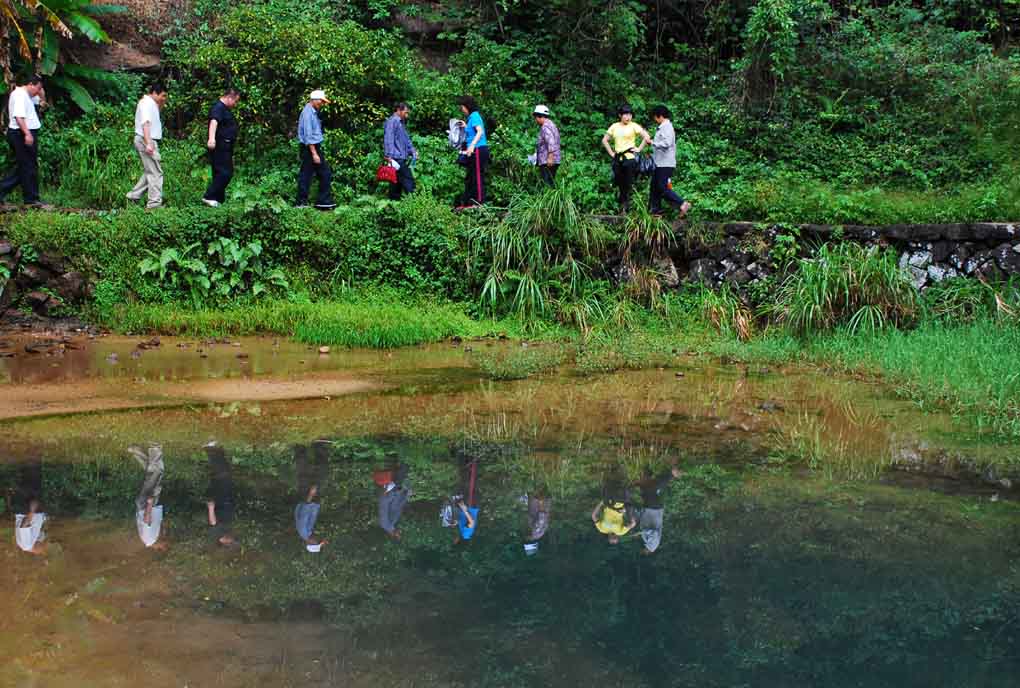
(211, 203)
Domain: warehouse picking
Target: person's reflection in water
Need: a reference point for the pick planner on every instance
(220, 499)
(466, 503)
(29, 515)
(614, 515)
(148, 510)
(393, 496)
(310, 479)
(652, 509)
(538, 521)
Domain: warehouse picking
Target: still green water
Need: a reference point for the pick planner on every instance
(769, 572)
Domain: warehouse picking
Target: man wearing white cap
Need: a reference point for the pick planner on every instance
(313, 159)
(547, 150)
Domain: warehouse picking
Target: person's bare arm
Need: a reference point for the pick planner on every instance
(605, 144)
(211, 508)
(211, 143)
(147, 135)
(313, 149)
(596, 513)
(645, 139)
(23, 125)
(474, 142)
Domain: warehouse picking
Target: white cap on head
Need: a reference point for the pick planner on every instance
(530, 548)
(541, 110)
(314, 548)
(318, 94)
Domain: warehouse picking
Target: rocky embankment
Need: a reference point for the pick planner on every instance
(44, 284)
(736, 253)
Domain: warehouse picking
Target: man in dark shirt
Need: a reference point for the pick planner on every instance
(222, 135)
(397, 147)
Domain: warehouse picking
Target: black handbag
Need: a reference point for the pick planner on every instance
(646, 166)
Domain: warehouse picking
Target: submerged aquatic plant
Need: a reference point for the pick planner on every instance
(518, 363)
(843, 444)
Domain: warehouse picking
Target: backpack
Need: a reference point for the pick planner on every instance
(456, 134)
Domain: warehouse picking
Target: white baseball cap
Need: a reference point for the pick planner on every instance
(541, 110)
(318, 94)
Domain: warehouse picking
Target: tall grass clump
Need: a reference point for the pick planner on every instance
(539, 255)
(845, 284)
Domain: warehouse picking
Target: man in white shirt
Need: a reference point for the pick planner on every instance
(148, 133)
(148, 510)
(22, 134)
(26, 504)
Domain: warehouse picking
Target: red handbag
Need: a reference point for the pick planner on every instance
(382, 477)
(386, 173)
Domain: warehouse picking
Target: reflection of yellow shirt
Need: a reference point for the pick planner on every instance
(611, 522)
(625, 137)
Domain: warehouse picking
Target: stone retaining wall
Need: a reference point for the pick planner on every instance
(737, 253)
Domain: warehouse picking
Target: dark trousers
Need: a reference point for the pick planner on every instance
(474, 177)
(405, 180)
(310, 169)
(221, 159)
(624, 172)
(548, 174)
(660, 190)
(26, 170)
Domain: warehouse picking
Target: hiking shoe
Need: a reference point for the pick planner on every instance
(325, 206)
(39, 205)
(301, 205)
(211, 203)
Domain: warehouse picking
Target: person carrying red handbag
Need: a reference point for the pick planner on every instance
(397, 148)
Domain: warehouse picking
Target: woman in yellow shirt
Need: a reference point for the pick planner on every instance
(622, 145)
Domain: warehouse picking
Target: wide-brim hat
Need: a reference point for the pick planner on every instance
(318, 94)
(541, 110)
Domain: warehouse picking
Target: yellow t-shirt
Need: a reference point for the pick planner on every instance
(612, 521)
(625, 137)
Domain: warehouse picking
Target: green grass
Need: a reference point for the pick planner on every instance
(360, 323)
(970, 369)
(521, 361)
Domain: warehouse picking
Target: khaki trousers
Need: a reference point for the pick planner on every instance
(152, 176)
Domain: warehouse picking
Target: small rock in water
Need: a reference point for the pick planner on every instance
(323, 349)
(112, 358)
(242, 355)
(679, 374)
(136, 354)
(235, 343)
(769, 406)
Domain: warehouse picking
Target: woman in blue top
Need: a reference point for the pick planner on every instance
(476, 154)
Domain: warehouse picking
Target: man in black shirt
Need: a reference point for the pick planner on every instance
(222, 135)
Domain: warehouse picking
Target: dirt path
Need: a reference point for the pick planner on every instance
(84, 396)
(50, 374)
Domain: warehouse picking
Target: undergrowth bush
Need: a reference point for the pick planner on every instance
(845, 284)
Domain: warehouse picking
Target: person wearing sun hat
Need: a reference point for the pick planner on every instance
(547, 150)
(313, 158)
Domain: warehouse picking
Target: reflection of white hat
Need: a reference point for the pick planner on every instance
(318, 94)
(314, 548)
(541, 110)
(531, 548)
